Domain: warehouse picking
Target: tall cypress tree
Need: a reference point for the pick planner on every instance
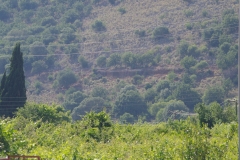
(13, 90)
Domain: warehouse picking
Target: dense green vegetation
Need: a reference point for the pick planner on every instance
(47, 131)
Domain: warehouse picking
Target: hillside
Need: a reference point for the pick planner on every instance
(84, 54)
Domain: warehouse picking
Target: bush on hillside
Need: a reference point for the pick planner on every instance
(98, 26)
(65, 78)
(160, 32)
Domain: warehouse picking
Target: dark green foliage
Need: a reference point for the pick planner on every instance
(48, 21)
(188, 13)
(98, 26)
(229, 59)
(127, 118)
(67, 35)
(100, 92)
(70, 16)
(38, 49)
(230, 23)
(114, 60)
(183, 48)
(129, 60)
(112, 2)
(65, 78)
(162, 85)
(150, 95)
(102, 61)
(137, 79)
(214, 93)
(73, 100)
(122, 10)
(172, 110)
(189, 96)
(45, 113)
(39, 67)
(193, 51)
(95, 104)
(83, 61)
(12, 3)
(13, 91)
(27, 4)
(201, 65)
(140, 33)
(189, 26)
(210, 114)
(160, 32)
(130, 101)
(3, 62)
(188, 62)
(4, 14)
(147, 59)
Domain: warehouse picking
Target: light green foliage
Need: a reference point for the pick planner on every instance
(171, 76)
(213, 113)
(213, 93)
(45, 113)
(95, 137)
(48, 21)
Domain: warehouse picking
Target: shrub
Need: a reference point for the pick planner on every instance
(98, 26)
(73, 100)
(99, 92)
(189, 26)
(114, 60)
(38, 48)
(83, 61)
(187, 62)
(162, 85)
(27, 4)
(170, 111)
(183, 48)
(214, 93)
(102, 61)
(140, 33)
(188, 13)
(137, 79)
(127, 118)
(204, 13)
(129, 59)
(70, 16)
(48, 21)
(95, 104)
(4, 15)
(150, 95)
(160, 33)
(38, 67)
(122, 10)
(65, 78)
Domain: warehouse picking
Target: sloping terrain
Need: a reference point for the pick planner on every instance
(61, 37)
